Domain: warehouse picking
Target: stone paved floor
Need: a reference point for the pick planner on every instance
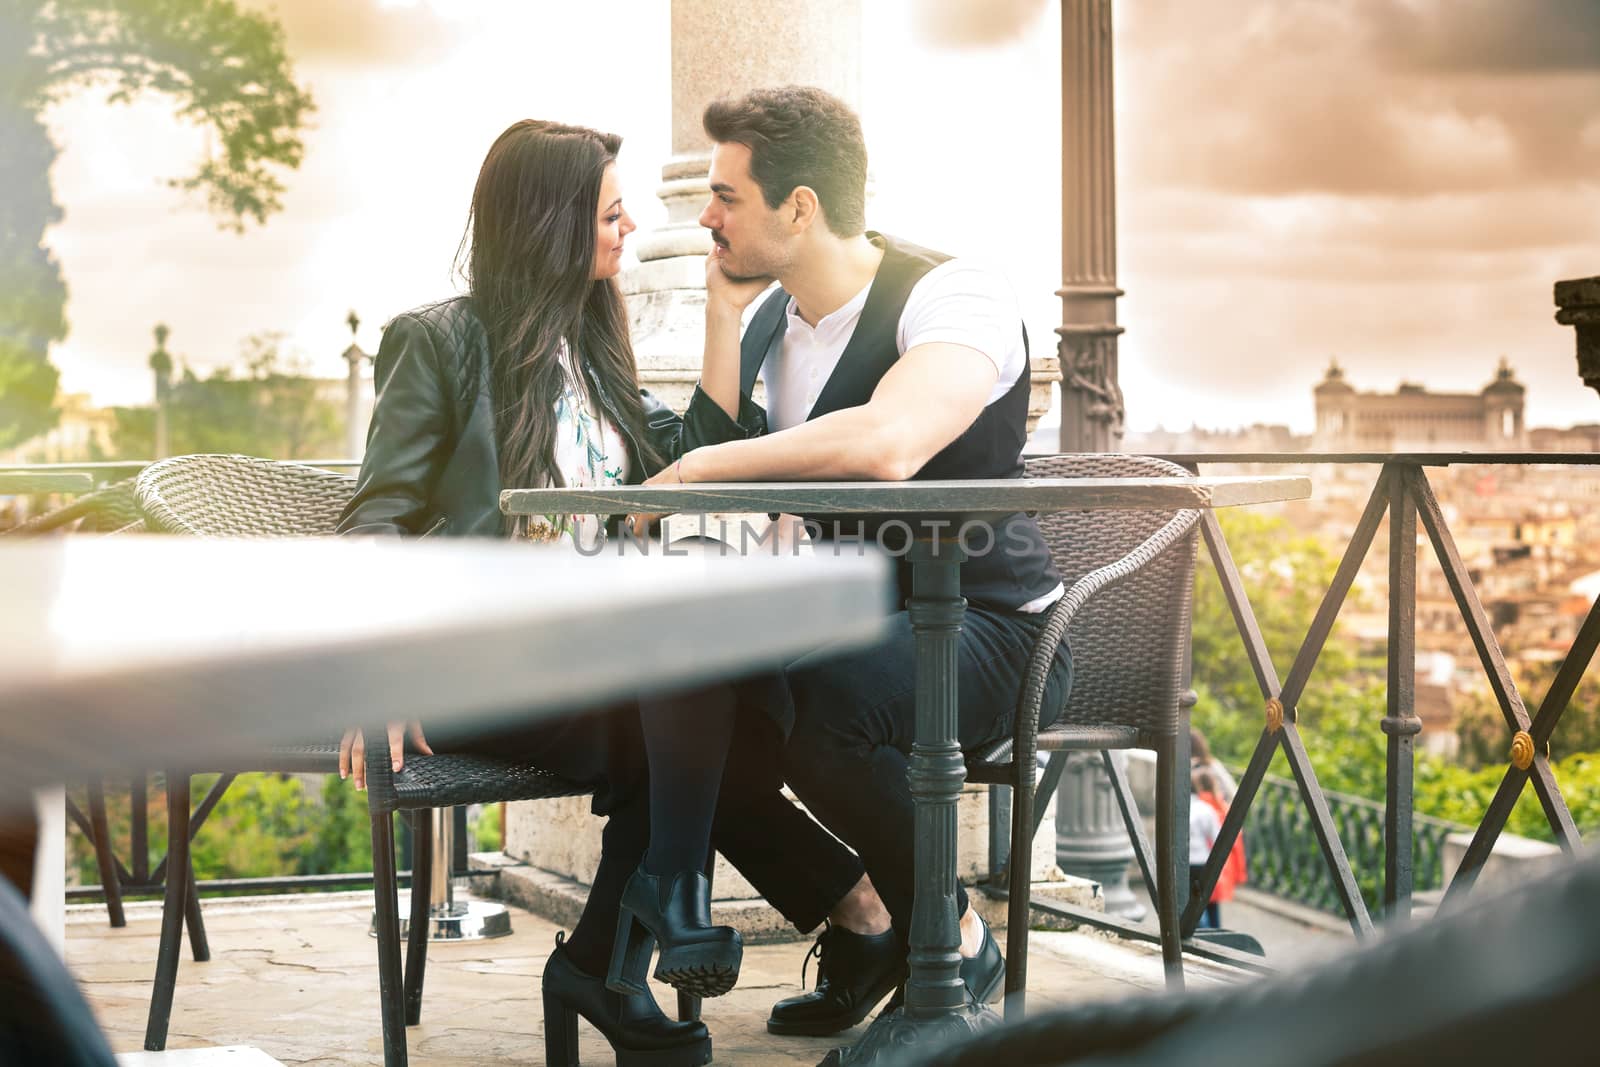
(298, 979)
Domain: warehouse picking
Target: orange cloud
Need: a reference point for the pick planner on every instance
(1285, 97)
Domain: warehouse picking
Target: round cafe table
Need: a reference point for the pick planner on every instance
(937, 1008)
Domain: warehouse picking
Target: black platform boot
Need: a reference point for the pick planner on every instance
(640, 1035)
(675, 910)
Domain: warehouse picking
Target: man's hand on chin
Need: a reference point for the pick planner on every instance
(734, 293)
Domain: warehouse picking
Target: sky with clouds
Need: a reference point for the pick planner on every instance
(1394, 183)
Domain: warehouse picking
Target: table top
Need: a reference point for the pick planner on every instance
(19, 482)
(128, 652)
(969, 496)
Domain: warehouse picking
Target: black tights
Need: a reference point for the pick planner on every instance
(686, 745)
(686, 741)
(798, 866)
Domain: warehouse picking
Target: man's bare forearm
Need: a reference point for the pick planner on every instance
(854, 444)
(719, 369)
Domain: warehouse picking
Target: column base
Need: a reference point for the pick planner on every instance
(466, 920)
(894, 1037)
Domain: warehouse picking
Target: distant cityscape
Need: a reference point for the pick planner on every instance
(1413, 418)
(1529, 535)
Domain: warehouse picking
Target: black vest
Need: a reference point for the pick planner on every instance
(1015, 568)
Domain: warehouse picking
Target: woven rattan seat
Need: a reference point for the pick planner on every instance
(449, 781)
(222, 496)
(1129, 576)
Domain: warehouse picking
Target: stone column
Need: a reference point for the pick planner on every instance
(1091, 839)
(161, 364)
(721, 50)
(1578, 305)
(355, 432)
(1091, 400)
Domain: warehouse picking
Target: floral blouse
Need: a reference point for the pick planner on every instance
(589, 452)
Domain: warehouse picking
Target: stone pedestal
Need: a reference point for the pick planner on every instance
(1091, 838)
(1578, 305)
(1512, 864)
(720, 50)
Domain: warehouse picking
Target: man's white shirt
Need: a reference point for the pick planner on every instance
(959, 302)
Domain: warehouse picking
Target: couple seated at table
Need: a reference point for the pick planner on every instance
(881, 360)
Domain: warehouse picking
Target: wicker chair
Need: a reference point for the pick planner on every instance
(1130, 577)
(234, 496)
(109, 509)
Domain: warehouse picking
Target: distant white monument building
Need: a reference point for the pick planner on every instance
(1414, 419)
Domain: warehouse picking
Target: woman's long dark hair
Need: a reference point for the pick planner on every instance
(529, 274)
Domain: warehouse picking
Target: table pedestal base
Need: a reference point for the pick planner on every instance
(450, 919)
(900, 1038)
(462, 920)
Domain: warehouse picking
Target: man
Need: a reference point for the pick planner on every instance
(886, 361)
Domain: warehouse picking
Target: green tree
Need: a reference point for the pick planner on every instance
(227, 70)
(1485, 738)
(266, 825)
(1285, 575)
(269, 408)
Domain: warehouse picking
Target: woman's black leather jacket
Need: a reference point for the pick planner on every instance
(431, 464)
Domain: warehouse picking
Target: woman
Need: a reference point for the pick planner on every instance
(1201, 759)
(530, 380)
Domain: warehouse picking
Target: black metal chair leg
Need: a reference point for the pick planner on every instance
(1019, 892)
(1172, 865)
(109, 879)
(386, 908)
(422, 860)
(199, 946)
(172, 912)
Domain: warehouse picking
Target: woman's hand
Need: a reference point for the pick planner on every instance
(353, 750)
(638, 524)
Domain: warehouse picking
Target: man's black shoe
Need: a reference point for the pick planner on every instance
(984, 973)
(854, 972)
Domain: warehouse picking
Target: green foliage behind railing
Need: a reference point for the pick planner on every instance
(266, 825)
(1284, 858)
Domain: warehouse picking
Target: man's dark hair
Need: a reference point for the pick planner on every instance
(799, 135)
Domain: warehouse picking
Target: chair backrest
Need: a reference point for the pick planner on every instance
(241, 496)
(1130, 641)
(110, 509)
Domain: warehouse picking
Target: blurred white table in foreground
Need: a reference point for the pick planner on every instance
(128, 652)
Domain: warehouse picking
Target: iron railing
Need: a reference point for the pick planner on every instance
(1402, 491)
(106, 471)
(1284, 860)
